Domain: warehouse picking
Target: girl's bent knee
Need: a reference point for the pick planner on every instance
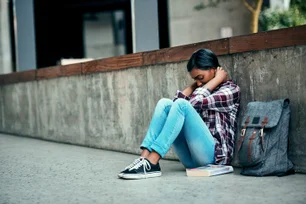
(181, 101)
(164, 102)
(182, 104)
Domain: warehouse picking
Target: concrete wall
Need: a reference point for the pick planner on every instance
(112, 110)
(187, 25)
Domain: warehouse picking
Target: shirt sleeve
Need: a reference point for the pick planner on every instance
(223, 100)
(179, 94)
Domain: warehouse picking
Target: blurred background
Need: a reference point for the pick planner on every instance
(42, 33)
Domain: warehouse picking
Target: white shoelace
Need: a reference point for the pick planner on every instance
(136, 161)
(146, 166)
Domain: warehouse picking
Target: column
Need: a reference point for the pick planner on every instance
(5, 41)
(145, 25)
(25, 35)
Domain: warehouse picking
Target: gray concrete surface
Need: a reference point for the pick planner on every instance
(112, 110)
(36, 171)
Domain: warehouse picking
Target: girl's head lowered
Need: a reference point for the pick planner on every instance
(202, 66)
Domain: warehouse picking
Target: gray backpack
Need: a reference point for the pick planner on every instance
(263, 142)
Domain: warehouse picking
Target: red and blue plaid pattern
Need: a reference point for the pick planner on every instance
(218, 110)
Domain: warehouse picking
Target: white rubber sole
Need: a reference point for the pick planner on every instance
(120, 175)
(141, 176)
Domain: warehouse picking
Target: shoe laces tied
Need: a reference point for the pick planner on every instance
(136, 161)
(143, 163)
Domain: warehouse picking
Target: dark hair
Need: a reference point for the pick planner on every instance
(203, 59)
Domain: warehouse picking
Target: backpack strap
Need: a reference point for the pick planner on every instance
(263, 124)
(246, 122)
(250, 146)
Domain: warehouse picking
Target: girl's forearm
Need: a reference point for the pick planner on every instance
(188, 91)
(212, 84)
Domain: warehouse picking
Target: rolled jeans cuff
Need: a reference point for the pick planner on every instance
(145, 146)
(159, 150)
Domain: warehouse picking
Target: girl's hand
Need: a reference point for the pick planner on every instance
(194, 85)
(221, 74)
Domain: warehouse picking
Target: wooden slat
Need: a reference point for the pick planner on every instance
(48, 73)
(58, 71)
(71, 69)
(267, 40)
(112, 63)
(17, 77)
(181, 53)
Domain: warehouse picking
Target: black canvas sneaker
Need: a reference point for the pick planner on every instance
(126, 169)
(143, 169)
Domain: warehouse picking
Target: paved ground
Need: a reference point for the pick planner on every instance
(36, 171)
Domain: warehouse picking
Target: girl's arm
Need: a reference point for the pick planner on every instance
(222, 100)
(188, 91)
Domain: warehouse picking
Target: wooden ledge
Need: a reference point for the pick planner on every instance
(182, 53)
(17, 77)
(260, 41)
(268, 40)
(58, 71)
(112, 63)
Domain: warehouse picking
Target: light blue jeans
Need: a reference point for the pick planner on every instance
(178, 123)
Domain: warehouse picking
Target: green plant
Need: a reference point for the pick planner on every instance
(270, 20)
(301, 4)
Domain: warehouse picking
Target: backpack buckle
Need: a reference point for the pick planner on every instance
(263, 124)
(261, 132)
(243, 132)
(246, 122)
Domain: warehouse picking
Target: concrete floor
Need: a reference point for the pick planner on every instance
(36, 171)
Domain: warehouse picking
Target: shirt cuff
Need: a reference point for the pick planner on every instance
(179, 94)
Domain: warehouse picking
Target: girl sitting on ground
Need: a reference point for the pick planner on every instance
(200, 122)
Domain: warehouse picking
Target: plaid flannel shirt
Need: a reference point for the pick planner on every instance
(219, 110)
